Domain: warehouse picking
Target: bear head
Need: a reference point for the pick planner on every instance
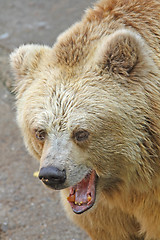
(84, 107)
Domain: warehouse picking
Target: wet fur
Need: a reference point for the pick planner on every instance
(102, 74)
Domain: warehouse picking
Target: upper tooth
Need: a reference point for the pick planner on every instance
(45, 180)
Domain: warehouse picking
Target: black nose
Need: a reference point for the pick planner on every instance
(52, 176)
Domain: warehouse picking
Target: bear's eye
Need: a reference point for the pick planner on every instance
(81, 135)
(40, 134)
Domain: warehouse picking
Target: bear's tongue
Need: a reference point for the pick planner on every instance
(82, 195)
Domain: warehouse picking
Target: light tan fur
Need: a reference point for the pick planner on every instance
(102, 75)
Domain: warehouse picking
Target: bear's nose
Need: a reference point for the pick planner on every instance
(52, 176)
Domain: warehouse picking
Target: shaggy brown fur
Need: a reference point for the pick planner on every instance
(102, 75)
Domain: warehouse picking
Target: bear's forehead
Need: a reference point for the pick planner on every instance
(59, 106)
(54, 105)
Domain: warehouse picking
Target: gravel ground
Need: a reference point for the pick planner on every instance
(28, 210)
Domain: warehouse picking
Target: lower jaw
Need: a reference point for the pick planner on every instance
(79, 209)
(83, 195)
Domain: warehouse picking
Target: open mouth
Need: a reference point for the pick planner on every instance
(82, 195)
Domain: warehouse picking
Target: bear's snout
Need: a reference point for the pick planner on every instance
(52, 176)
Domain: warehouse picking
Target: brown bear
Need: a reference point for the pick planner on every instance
(89, 110)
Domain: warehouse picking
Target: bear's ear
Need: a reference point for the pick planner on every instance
(24, 61)
(120, 52)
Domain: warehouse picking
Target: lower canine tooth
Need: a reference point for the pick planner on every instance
(89, 198)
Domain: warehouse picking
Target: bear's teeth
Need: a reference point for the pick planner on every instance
(44, 180)
(78, 203)
(89, 198)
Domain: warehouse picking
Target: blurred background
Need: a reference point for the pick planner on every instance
(28, 210)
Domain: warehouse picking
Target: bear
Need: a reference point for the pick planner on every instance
(88, 108)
